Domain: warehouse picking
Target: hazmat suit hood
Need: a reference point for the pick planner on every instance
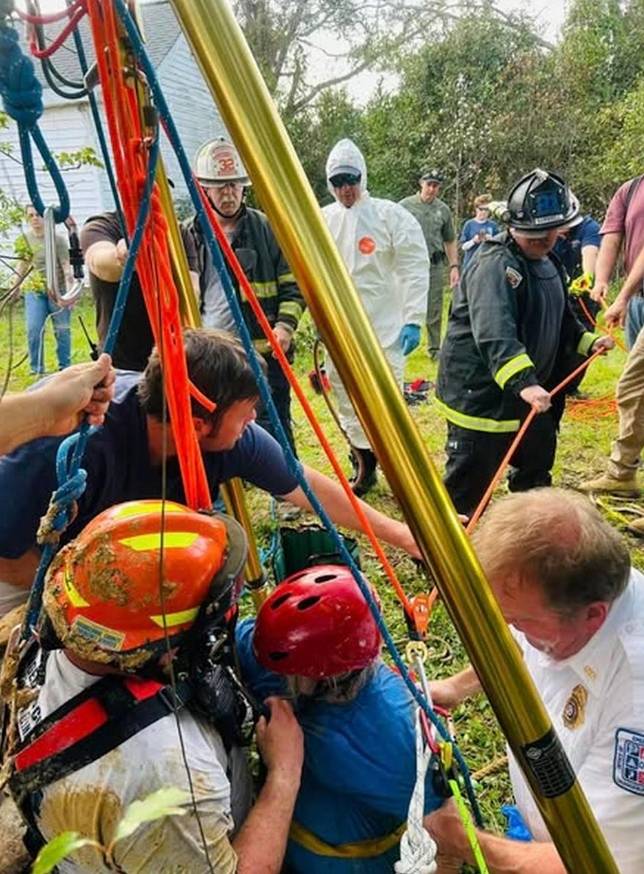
(346, 157)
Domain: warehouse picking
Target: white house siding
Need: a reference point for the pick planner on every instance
(191, 105)
(66, 126)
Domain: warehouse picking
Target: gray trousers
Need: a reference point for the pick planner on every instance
(435, 306)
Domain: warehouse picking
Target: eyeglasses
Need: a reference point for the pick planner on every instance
(344, 179)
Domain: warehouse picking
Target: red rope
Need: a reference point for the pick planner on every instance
(50, 17)
(61, 37)
(129, 147)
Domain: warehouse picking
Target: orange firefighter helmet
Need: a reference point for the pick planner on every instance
(138, 573)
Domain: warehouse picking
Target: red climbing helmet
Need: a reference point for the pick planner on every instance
(317, 623)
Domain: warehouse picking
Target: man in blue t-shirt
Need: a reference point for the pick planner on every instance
(577, 248)
(316, 642)
(124, 458)
(478, 229)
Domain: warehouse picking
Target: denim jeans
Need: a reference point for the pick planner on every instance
(634, 319)
(38, 307)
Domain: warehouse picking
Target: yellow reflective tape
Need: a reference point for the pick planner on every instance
(170, 540)
(290, 308)
(585, 343)
(475, 423)
(265, 289)
(170, 620)
(510, 368)
(286, 277)
(134, 508)
(75, 597)
(366, 849)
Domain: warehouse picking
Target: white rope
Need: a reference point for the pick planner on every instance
(417, 849)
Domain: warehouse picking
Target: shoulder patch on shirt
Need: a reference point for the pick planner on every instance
(628, 765)
(513, 276)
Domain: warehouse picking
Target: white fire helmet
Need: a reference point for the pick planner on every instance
(217, 162)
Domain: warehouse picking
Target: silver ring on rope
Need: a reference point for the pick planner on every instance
(60, 298)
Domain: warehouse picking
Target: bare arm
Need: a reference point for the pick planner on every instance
(589, 259)
(616, 312)
(20, 572)
(337, 505)
(503, 856)
(261, 842)
(56, 407)
(452, 691)
(605, 264)
(105, 261)
(451, 250)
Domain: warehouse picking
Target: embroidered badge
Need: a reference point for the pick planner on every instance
(513, 276)
(574, 712)
(628, 766)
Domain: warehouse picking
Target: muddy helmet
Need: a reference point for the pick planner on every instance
(139, 573)
(217, 162)
(539, 202)
(316, 624)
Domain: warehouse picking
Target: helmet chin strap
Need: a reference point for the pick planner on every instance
(223, 215)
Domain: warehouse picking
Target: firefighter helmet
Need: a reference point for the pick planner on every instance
(139, 574)
(539, 202)
(318, 624)
(217, 163)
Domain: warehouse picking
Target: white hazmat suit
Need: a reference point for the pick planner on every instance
(385, 252)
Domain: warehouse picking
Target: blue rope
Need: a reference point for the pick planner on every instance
(293, 464)
(71, 477)
(22, 99)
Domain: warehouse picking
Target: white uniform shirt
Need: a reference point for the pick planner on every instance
(93, 799)
(595, 700)
(384, 250)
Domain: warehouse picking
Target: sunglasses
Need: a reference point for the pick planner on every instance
(344, 179)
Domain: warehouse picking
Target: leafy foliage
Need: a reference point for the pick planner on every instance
(57, 849)
(162, 803)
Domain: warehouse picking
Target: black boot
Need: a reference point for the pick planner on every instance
(364, 477)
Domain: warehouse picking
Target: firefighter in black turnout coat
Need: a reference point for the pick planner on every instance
(511, 338)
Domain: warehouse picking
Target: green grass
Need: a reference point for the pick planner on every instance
(583, 448)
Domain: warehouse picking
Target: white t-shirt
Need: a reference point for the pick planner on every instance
(93, 799)
(595, 700)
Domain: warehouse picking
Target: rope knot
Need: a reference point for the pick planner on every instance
(20, 89)
(62, 510)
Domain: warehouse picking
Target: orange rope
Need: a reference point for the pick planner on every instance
(258, 312)
(519, 436)
(129, 146)
(591, 409)
(599, 327)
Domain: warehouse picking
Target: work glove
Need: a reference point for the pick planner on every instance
(409, 338)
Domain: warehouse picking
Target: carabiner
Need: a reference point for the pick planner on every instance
(60, 298)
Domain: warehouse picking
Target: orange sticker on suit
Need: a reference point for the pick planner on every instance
(367, 245)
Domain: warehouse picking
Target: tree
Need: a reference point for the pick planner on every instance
(365, 35)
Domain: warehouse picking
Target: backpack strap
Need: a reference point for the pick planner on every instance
(88, 727)
(630, 194)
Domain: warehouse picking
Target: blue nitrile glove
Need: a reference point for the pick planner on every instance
(409, 338)
(516, 827)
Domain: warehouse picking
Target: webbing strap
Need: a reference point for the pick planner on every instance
(89, 726)
(366, 849)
